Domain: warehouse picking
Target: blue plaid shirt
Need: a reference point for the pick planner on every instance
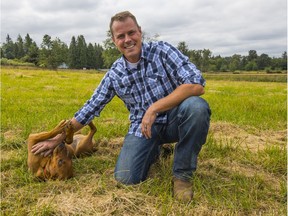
(161, 69)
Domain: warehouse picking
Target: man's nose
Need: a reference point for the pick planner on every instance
(127, 38)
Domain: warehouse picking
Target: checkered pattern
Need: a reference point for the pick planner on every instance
(162, 68)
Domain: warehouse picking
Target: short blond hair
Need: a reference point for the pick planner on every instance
(122, 16)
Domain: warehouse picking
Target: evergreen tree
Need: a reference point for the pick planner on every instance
(72, 54)
(2, 53)
(59, 53)
(33, 54)
(19, 46)
(99, 59)
(82, 51)
(183, 47)
(8, 48)
(91, 56)
(31, 50)
(45, 51)
(27, 43)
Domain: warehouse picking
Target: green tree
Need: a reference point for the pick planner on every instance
(263, 61)
(81, 51)
(72, 54)
(98, 52)
(215, 63)
(27, 43)
(201, 58)
(111, 53)
(45, 51)
(91, 56)
(2, 53)
(8, 48)
(196, 57)
(31, 50)
(283, 63)
(206, 55)
(19, 47)
(243, 63)
(53, 52)
(183, 47)
(235, 62)
(59, 53)
(252, 55)
(251, 66)
(32, 55)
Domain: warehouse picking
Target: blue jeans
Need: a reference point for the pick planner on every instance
(187, 125)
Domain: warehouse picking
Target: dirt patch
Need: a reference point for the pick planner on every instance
(251, 139)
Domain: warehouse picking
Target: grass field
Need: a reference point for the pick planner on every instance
(242, 167)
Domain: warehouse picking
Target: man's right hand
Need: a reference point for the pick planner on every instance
(45, 148)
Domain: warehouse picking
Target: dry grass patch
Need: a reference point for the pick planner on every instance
(248, 138)
(93, 199)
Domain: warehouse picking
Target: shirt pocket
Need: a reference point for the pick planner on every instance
(156, 84)
(127, 93)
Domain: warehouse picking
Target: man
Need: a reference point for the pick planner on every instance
(161, 89)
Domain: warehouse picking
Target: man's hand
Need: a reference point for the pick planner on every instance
(46, 147)
(147, 122)
(43, 148)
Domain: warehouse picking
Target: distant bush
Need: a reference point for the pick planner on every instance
(10, 62)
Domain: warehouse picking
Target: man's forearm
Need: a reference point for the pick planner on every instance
(176, 97)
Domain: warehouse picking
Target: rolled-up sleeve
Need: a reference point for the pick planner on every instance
(184, 71)
(189, 74)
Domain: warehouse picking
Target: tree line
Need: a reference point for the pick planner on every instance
(53, 53)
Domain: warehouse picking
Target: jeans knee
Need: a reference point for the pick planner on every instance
(196, 106)
(126, 178)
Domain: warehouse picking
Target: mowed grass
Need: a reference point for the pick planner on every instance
(242, 167)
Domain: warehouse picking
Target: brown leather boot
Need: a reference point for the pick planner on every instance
(182, 190)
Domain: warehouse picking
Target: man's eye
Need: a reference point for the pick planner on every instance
(131, 33)
(120, 36)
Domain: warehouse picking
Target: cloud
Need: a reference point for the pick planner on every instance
(225, 27)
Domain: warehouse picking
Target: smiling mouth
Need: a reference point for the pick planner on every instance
(130, 46)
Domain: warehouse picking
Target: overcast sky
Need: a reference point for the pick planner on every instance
(226, 27)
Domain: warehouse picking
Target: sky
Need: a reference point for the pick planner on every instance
(225, 27)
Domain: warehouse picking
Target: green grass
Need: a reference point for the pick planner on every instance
(248, 76)
(242, 167)
(259, 104)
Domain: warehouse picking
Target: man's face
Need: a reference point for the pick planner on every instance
(127, 37)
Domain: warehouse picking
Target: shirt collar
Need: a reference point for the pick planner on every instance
(144, 55)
